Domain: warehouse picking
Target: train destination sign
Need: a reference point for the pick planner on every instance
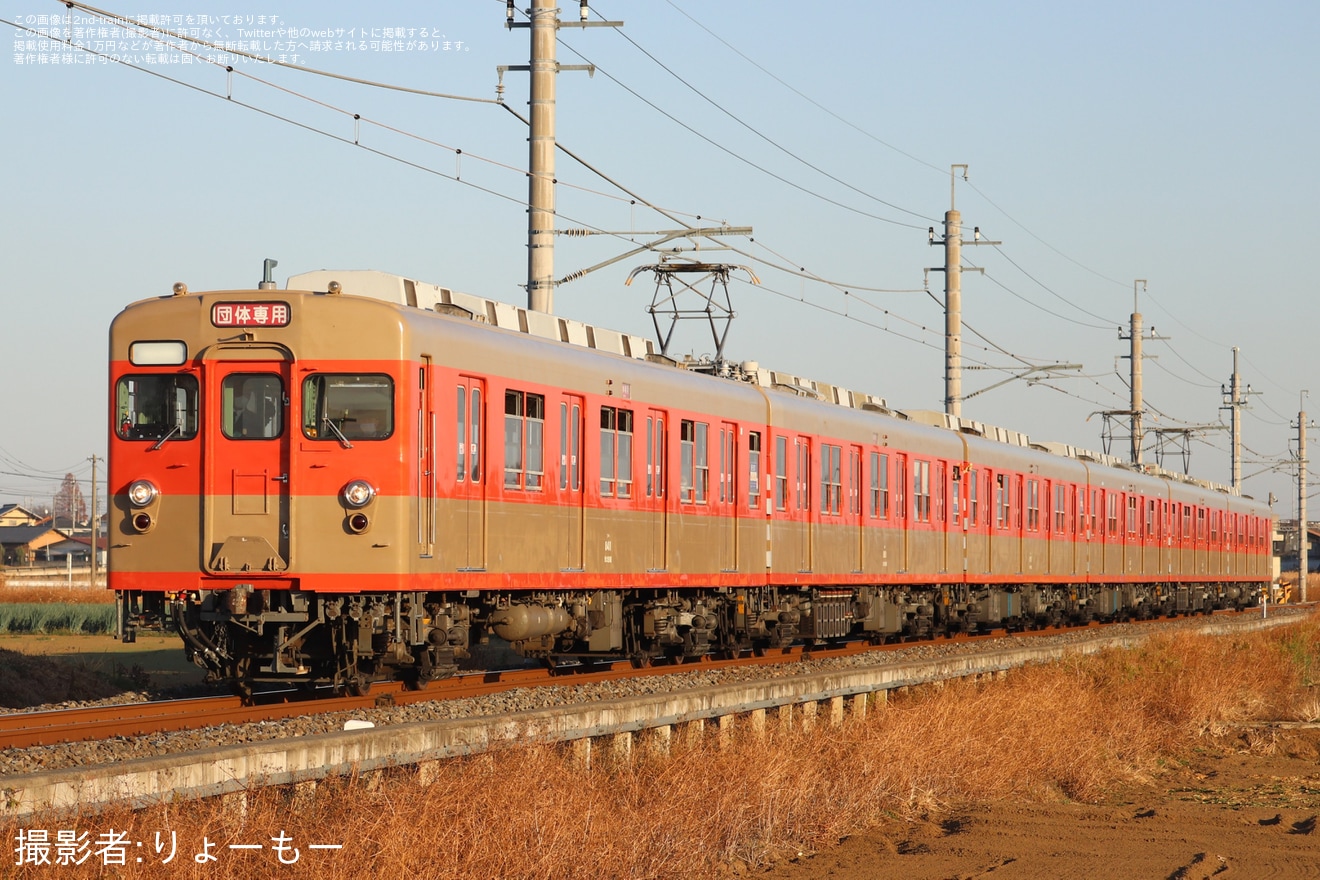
(250, 314)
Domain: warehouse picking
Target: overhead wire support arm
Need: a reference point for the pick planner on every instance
(1049, 371)
(665, 236)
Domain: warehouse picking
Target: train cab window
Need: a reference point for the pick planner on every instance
(344, 407)
(616, 430)
(252, 406)
(524, 440)
(158, 407)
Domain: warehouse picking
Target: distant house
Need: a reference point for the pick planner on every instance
(26, 544)
(17, 515)
(1289, 560)
(75, 548)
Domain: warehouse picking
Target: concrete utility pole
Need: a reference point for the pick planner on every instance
(1134, 333)
(543, 67)
(1303, 561)
(1234, 399)
(96, 524)
(953, 270)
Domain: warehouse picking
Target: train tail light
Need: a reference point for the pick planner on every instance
(358, 522)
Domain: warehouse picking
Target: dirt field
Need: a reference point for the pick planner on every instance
(154, 662)
(1228, 813)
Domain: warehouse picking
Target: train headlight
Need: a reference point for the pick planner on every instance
(142, 492)
(358, 493)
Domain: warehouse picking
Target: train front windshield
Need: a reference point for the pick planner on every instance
(344, 407)
(154, 407)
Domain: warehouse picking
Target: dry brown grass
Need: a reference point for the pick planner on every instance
(54, 595)
(1069, 730)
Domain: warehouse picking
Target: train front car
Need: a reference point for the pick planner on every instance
(260, 476)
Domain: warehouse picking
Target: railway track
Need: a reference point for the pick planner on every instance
(27, 729)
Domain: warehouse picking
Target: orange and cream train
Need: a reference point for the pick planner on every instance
(362, 475)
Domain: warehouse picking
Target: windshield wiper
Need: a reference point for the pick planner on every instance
(161, 442)
(338, 433)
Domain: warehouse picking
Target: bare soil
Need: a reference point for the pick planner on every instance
(1245, 807)
(40, 669)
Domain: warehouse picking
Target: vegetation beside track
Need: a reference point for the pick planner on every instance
(1071, 730)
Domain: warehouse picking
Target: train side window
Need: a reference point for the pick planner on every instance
(475, 448)
(156, 407)
(524, 440)
(921, 491)
(1060, 508)
(616, 430)
(937, 486)
(344, 407)
(660, 467)
(956, 507)
(1187, 521)
(1150, 518)
(803, 481)
(461, 469)
(563, 445)
(1033, 505)
(1001, 501)
(831, 478)
(754, 469)
(900, 480)
(694, 473)
(781, 472)
(973, 497)
(252, 406)
(880, 485)
(855, 481)
(702, 462)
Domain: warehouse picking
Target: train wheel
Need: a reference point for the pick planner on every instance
(359, 685)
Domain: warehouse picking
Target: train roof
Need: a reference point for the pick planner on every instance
(397, 289)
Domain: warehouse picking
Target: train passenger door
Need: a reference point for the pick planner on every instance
(657, 497)
(572, 413)
(425, 461)
(802, 447)
(857, 520)
(470, 485)
(245, 520)
(727, 510)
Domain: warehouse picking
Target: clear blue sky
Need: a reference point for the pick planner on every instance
(1173, 142)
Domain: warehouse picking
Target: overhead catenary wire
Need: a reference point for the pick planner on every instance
(489, 191)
